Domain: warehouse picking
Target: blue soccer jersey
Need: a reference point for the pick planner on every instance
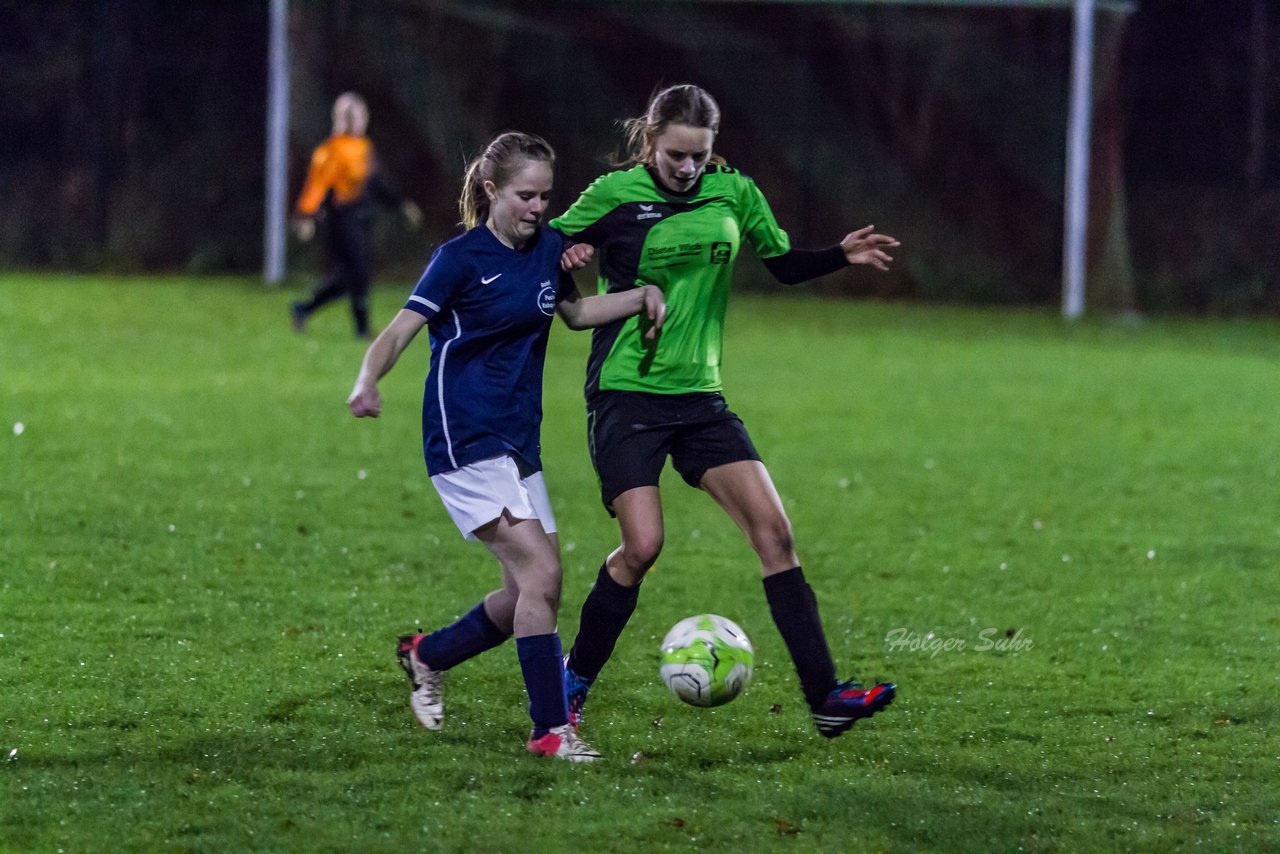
(488, 309)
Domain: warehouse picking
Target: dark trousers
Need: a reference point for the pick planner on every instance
(349, 243)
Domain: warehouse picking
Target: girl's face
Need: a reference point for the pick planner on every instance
(516, 209)
(680, 153)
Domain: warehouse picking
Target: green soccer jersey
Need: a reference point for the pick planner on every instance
(686, 245)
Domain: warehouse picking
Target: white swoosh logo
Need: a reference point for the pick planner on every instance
(485, 281)
(646, 207)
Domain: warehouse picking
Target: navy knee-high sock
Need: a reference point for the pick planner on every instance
(467, 637)
(604, 615)
(540, 662)
(795, 612)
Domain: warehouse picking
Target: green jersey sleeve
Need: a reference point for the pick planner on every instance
(758, 225)
(584, 222)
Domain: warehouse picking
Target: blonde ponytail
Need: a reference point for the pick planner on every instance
(501, 159)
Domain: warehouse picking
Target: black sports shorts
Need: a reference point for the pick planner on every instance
(631, 433)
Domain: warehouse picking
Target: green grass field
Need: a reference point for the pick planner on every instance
(206, 561)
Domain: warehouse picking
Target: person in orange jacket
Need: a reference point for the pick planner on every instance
(343, 188)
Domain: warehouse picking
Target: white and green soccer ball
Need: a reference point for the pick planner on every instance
(706, 660)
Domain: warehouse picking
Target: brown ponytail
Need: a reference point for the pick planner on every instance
(685, 104)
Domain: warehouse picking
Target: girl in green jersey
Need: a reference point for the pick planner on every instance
(676, 216)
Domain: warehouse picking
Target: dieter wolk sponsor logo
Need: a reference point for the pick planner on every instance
(547, 298)
(647, 212)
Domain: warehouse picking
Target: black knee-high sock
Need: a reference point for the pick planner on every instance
(795, 612)
(604, 615)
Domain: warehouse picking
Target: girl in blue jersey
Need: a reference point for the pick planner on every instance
(677, 216)
(488, 297)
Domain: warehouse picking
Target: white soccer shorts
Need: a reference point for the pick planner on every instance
(476, 494)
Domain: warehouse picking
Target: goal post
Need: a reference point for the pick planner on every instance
(1079, 122)
(275, 205)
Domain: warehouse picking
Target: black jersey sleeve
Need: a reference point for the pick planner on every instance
(382, 191)
(801, 265)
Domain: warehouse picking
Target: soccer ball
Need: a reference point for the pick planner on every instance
(706, 660)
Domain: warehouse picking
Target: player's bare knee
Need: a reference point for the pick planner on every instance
(641, 552)
(550, 581)
(500, 606)
(773, 540)
(542, 580)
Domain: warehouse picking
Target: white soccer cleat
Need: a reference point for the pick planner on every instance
(427, 696)
(563, 743)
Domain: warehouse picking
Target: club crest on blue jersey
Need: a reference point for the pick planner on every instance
(547, 298)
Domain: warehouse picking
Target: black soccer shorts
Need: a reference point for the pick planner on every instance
(630, 434)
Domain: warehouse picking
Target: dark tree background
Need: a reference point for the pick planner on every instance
(132, 135)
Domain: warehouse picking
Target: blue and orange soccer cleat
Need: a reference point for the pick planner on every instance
(575, 694)
(849, 703)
